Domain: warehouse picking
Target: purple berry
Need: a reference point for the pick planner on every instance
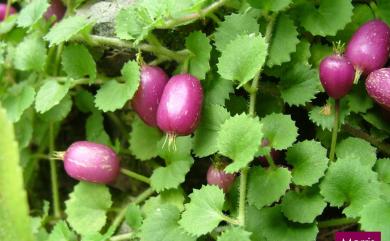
(369, 47)
(57, 9)
(217, 176)
(180, 106)
(3, 9)
(148, 95)
(337, 75)
(378, 87)
(91, 162)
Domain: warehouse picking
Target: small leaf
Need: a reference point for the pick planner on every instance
(349, 182)
(234, 234)
(233, 26)
(242, 63)
(144, 140)
(95, 131)
(239, 139)
(162, 225)
(182, 152)
(324, 118)
(87, 206)
(15, 221)
(204, 212)
(299, 85)
(280, 130)
(303, 207)
(66, 29)
(31, 13)
(217, 90)
(383, 9)
(50, 94)
(309, 162)
(266, 186)
(30, 54)
(84, 101)
(275, 227)
(78, 62)
(61, 232)
(171, 176)
(382, 167)
(17, 100)
(59, 111)
(328, 18)
(358, 100)
(286, 35)
(361, 149)
(270, 5)
(205, 138)
(134, 216)
(199, 45)
(375, 216)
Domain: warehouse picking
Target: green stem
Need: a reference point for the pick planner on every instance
(242, 200)
(57, 60)
(7, 9)
(53, 174)
(336, 222)
(335, 130)
(270, 160)
(124, 236)
(135, 175)
(194, 16)
(231, 220)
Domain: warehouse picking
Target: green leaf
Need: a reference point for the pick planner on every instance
(14, 217)
(377, 121)
(217, 90)
(95, 131)
(242, 63)
(299, 85)
(204, 212)
(134, 216)
(162, 225)
(303, 207)
(59, 111)
(182, 151)
(358, 100)
(328, 18)
(382, 167)
(170, 176)
(280, 130)
(324, 116)
(319, 52)
(349, 182)
(50, 94)
(309, 162)
(252, 223)
(78, 62)
(270, 5)
(361, 149)
(205, 138)
(233, 26)
(266, 186)
(31, 13)
(234, 234)
(84, 101)
(61, 232)
(375, 216)
(24, 129)
(383, 10)
(144, 140)
(30, 54)
(87, 206)
(66, 29)
(199, 46)
(275, 227)
(174, 197)
(17, 100)
(285, 34)
(239, 139)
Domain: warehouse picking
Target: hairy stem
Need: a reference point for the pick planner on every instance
(335, 130)
(135, 175)
(336, 222)
(53, 174)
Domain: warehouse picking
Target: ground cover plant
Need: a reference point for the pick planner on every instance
(263, 120)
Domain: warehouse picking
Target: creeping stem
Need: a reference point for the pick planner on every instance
(135, 175)
(53, 174)
(335, 130)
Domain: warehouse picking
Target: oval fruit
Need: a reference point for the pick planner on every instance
(180, 106)
(56, 8)
(378, 87)
(3, 9)
(92, 162)
(148, 95)
(217, 176)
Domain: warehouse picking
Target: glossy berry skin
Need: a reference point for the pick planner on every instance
(217, 176)
(3, 8)
(337, 75)
(180, 106)
(369, 47)
(378, 87)
(56, 8)
(148, 95)
(91, 162)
